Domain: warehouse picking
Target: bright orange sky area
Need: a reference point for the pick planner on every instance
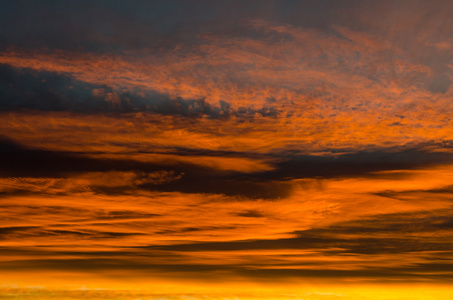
(226, 150)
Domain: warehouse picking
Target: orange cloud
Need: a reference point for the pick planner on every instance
(313, 93)
(318, 227)
(354, 90)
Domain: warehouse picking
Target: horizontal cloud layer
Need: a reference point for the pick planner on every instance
(190, 144)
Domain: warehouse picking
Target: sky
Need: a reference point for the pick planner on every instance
(226, 149)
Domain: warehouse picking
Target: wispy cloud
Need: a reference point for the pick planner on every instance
(279, 144)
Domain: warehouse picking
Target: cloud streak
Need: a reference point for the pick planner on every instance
(283, 145)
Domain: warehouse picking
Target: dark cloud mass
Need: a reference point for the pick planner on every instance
(25, 89)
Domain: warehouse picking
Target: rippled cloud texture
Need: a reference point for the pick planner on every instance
(176, 146)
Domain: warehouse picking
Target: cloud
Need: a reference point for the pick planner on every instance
(297, 141)
(389, 99)
(19, 159)
(320, 230)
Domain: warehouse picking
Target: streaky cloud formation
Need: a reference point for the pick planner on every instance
(226, 150)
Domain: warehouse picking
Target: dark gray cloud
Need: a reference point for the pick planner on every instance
(26, 89)
(154, 25)
(20, 161)
(362, 163)
(128, 263)
(251, 214)
(405, 274)
(114, 24)
(21, 232)
(381, 234)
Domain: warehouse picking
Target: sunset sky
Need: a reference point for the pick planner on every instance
(226, 149)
